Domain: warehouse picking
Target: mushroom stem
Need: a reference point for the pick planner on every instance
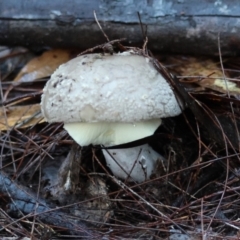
(136, 163)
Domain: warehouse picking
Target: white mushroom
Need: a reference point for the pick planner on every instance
(111, 100)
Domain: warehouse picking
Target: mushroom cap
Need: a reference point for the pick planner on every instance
(122, 87)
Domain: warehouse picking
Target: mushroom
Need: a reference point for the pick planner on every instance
(111, 100)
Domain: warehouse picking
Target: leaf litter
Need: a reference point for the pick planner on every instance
(196, 195)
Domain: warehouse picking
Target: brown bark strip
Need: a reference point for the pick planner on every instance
(186, 27)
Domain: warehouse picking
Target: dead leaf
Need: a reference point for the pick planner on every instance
(222, 85)
(43, 65)
(20, 116)
(207, 74)
(39, 67)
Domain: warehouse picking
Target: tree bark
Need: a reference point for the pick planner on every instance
(173, 26)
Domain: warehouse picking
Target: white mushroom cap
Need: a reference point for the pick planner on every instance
(108, 90)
